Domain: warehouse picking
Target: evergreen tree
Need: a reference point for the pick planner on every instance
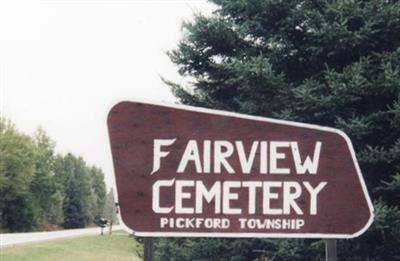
(329, 62)
(74, 209)
(76, 206)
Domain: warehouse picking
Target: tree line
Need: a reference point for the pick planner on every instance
(41, 189)
(327, 62)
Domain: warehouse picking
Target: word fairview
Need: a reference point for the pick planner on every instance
(222, 150)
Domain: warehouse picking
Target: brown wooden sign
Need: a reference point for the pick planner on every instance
(185, 171)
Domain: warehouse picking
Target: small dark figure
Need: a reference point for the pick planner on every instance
(101, 222)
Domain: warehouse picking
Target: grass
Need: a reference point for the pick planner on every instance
(117, 247)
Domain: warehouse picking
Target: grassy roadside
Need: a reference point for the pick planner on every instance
(117, 247)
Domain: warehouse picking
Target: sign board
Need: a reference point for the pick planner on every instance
(186, 171)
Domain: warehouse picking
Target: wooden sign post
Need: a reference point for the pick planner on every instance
(191, 172)
(330, 250)
(148, 249)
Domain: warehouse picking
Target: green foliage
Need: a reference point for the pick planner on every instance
(84, 191)
(47, 198)
(17, 166)
(333, 63)
(385, 230)
(98, 190)
(40, 188)
(237, 249)
(109, 210)
(74, 211)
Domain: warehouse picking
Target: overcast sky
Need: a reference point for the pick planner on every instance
(64, 63)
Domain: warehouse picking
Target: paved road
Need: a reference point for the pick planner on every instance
(12, 239)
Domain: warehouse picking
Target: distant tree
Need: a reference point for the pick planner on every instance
(55, 214)
(110, 209)
(334, 63)
(74, 209)
(76, 205)
(88, 200)
(84, 193)
(46, 194)
(63, 168)
(17, 164)
(98, 189)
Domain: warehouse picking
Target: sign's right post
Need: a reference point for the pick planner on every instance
(331, 250)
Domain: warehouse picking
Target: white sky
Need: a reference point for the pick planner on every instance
(64, 63)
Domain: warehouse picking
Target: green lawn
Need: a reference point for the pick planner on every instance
(118, 247)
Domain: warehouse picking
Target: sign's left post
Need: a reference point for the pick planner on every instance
(148, 249)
